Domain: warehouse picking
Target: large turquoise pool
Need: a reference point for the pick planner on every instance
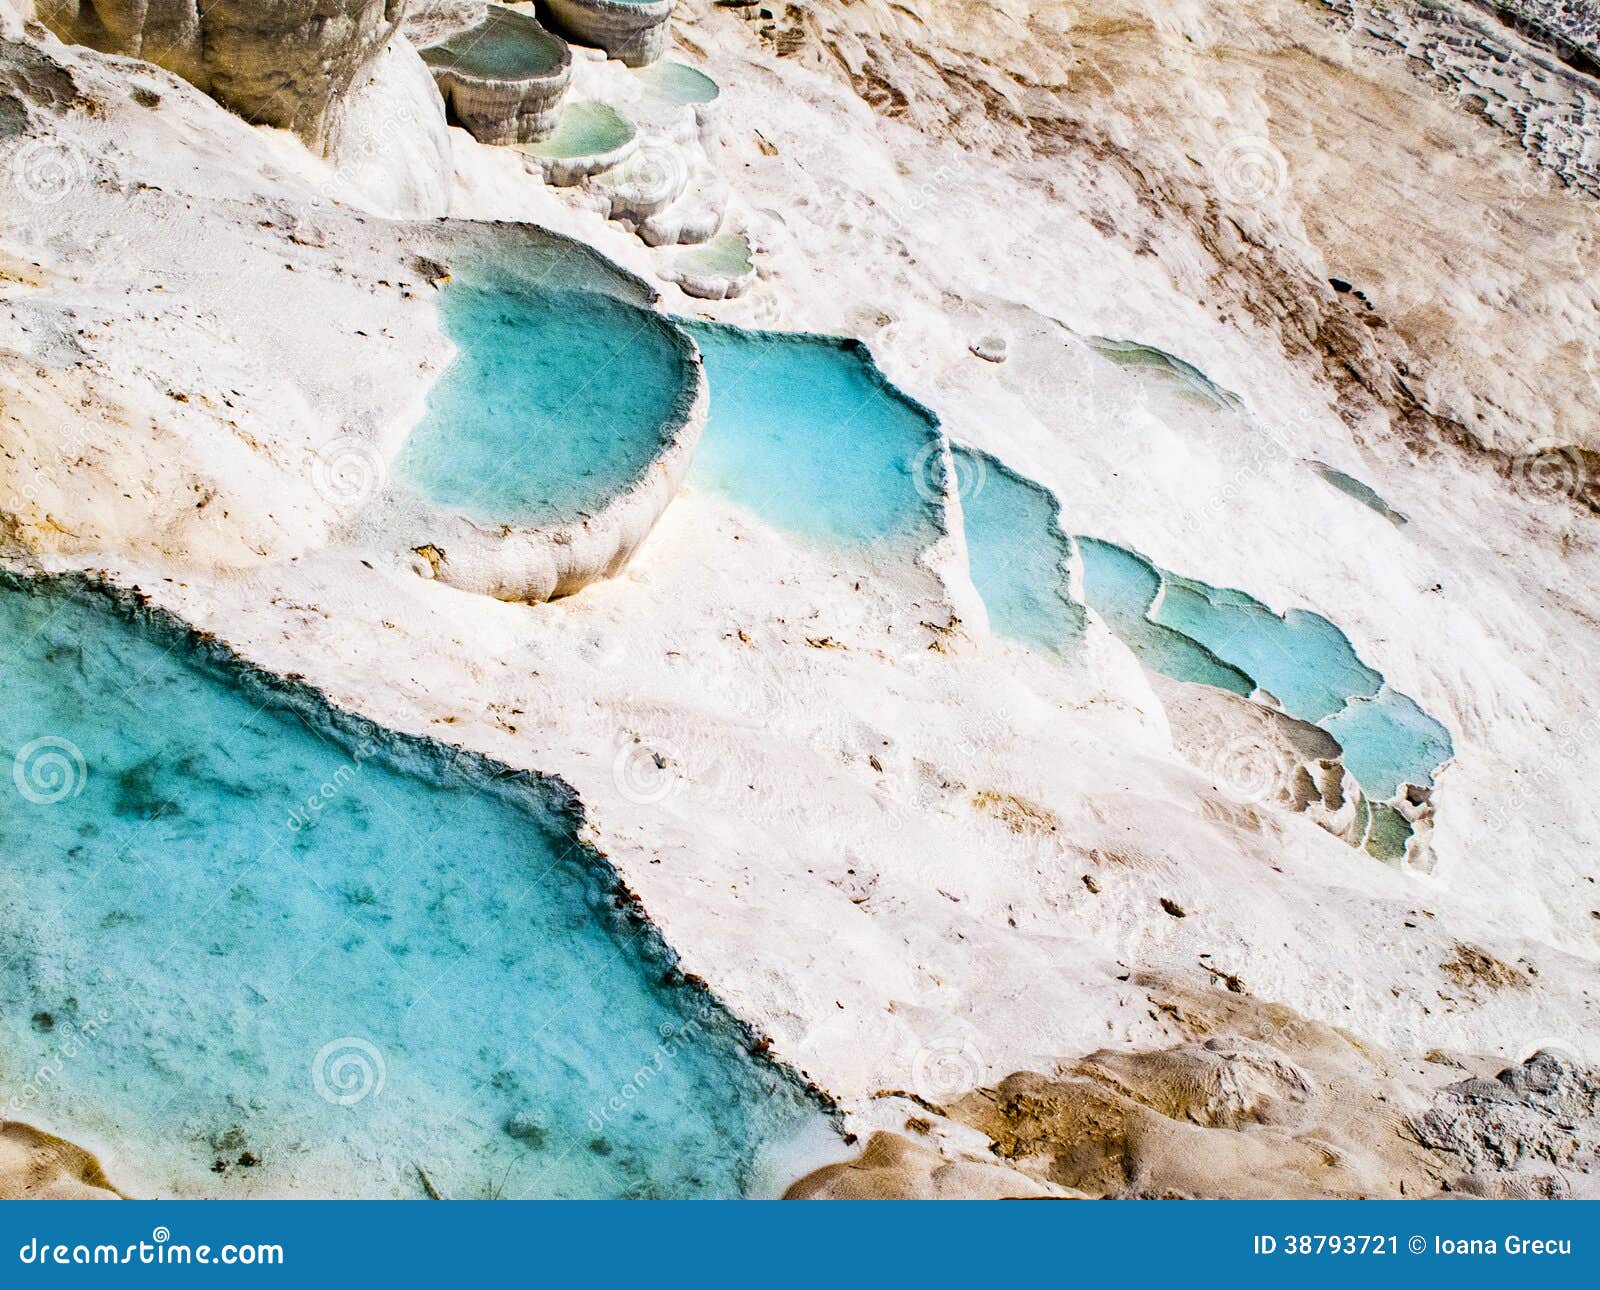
(254, 947)
(556, 401)
(805, 432)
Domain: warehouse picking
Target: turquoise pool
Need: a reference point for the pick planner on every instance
(1018, 556)
(506, 45)
(556, 401)
(678, 83)
(584, 129)
(806, 433)
(1389, 741)
(1120, 587)
(1301, 659)
(257, 947)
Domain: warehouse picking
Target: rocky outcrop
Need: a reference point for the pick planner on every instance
(427, 22)
(278, 63)
(35, 1165)
(1256, 1101)
(1541, 1117)
(635, 33)
(504, 78)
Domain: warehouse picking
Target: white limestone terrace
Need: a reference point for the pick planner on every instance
(504, 77)
(635, 31)
(875, 851)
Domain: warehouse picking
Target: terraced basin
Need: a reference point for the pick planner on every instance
(503, 79)
(634, 31)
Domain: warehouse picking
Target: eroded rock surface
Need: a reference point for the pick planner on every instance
(278, 62)
(1256, 1102)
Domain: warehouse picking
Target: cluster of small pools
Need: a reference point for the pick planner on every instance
(287, 953)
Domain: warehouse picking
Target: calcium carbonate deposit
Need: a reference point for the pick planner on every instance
(912, 599)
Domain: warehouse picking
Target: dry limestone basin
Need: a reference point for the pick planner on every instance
(504, 78)
(634, 32)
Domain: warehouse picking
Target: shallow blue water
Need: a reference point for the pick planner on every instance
(1388, 741)
(201, 966)
(1119, 586)
(1302, 659)
(556, 401)
(1018, 556)
(804, 433)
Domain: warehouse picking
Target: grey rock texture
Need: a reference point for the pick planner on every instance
(504, 78)
(1541, 1118)
(428, 22)
(275, 62)
(635, 33)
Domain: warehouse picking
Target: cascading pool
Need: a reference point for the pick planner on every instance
(255, 947)
(556, 400)
(1301, 659)
(505, 46)
(806, 433)
(1389, 741)
(1120, 586)
(1018, 557)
